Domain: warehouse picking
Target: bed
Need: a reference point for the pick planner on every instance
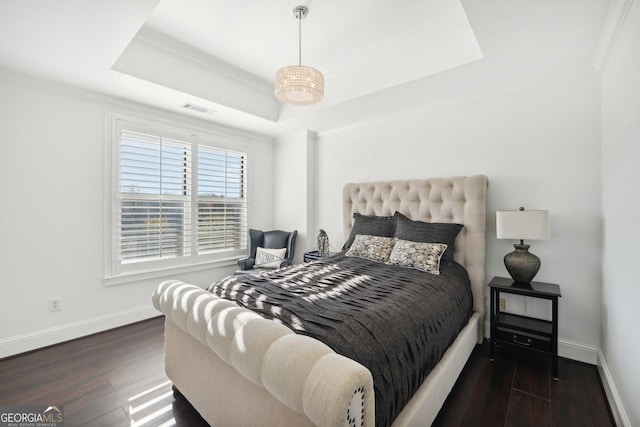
(237, 367)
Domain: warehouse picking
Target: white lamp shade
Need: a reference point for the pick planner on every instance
(523, 225)
(299, 85)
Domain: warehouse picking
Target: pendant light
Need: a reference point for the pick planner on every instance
(298, 84)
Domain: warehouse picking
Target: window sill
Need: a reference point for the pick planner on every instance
(122, 279)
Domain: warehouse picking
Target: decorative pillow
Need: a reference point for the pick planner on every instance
(269, 258)
(371, 226)
(421, 256)
(427, 232)
(375, 248)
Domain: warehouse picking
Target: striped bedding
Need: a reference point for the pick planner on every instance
(396, 321)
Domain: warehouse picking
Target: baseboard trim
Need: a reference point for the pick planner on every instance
(577, 351)
(22, 343)
(566, 348)
(615, 403)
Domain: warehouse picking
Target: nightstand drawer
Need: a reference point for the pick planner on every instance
(524, 339)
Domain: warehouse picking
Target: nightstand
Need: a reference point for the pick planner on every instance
(523, 331)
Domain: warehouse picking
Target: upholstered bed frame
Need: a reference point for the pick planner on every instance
(237, 368)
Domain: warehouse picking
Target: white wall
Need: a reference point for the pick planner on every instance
(52, 173)
(540, 148)
(621, 205)
(295, 184)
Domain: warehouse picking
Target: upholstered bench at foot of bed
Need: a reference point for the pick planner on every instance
(261, 362)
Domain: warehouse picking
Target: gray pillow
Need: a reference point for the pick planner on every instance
(371, 226)
(427, 232)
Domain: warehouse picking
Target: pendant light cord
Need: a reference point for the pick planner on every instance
(300, 37)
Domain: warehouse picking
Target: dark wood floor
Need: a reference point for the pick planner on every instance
(116, 378)
(517, 390)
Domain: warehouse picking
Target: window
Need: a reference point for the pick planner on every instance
(222, 203)
(179, 199)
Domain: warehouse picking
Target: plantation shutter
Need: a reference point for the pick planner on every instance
(221, 200)
(179, 199)
(155, 197)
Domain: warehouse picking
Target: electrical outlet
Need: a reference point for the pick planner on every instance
(503, 304)
(55, 304)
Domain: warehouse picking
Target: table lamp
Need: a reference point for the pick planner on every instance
(520, 225)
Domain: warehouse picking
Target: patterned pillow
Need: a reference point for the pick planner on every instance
(418, 255)
(269, 258)
(375, 248)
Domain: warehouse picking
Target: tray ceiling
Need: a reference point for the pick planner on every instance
(222, 55)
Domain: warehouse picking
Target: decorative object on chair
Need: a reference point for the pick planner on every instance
(323, 243)
(298, 84)
(520, 225)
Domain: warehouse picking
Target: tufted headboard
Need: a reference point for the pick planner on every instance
(457, 199)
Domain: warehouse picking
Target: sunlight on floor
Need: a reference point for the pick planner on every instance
(136, 409)
(152, 417)
(152, 407)
(150, 390)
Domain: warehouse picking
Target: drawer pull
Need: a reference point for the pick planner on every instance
(515, 340)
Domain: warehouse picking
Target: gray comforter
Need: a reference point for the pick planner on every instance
(398, 322)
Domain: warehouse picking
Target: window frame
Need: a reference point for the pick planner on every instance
(117, 272)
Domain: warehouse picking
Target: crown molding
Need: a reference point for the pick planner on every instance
(127, 106)
(618, 12)
(159, 41)
(541, 83)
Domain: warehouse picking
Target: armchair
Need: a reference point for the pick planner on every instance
(275, 239)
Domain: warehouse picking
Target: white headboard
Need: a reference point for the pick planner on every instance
(458, 199)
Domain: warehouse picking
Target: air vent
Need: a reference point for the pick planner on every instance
(197, 108)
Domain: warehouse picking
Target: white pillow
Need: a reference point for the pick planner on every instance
(269, 258)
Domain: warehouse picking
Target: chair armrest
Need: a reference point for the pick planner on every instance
(246, 263)
(286, 263)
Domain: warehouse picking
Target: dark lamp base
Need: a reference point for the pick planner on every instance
(521, 264)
